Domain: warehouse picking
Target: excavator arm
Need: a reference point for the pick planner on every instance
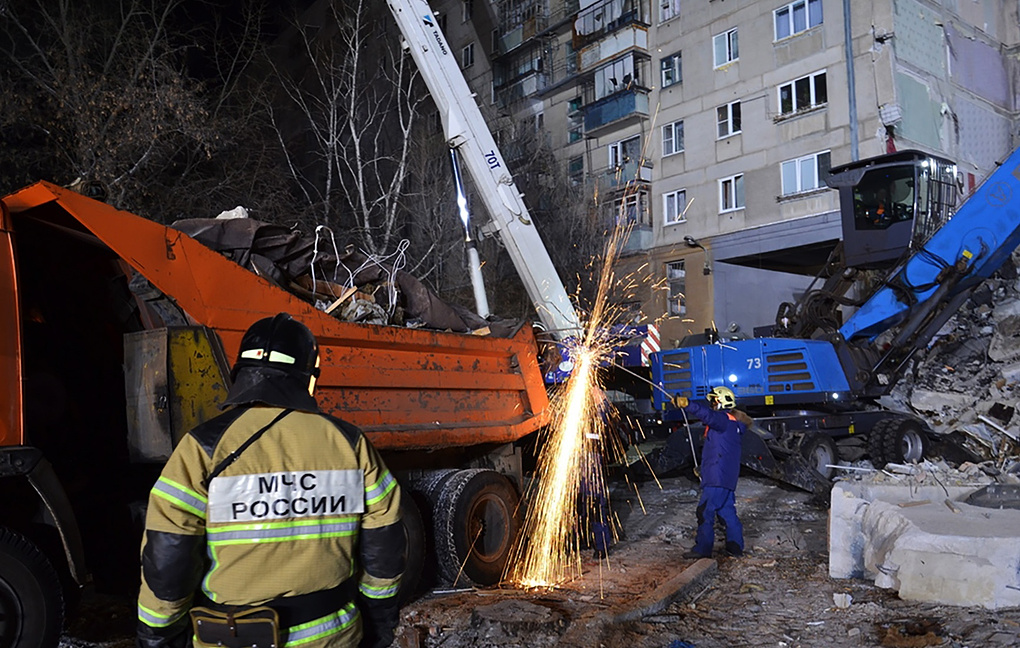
(935, 279)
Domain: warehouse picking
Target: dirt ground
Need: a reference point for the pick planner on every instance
(779, 594)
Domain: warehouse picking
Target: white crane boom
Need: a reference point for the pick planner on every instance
(467, 132)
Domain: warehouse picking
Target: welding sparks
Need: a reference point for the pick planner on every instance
(570, 482)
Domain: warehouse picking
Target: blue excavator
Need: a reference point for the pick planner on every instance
(909, 259)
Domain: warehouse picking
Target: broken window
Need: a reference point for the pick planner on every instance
(676, 279)
(671, 71)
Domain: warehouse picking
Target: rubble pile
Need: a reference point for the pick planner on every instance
(939, 473)
(338, 280)
(966, 384)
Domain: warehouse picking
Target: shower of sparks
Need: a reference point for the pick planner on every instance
(570, 483)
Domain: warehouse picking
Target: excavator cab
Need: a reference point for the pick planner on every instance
(891, 204)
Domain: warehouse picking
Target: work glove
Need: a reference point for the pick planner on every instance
(680, 401)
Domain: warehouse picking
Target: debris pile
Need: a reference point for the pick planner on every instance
(347, 283)
(967, 383)
(939, 473)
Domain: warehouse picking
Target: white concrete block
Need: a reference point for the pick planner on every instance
(938, 402)
(923, 549)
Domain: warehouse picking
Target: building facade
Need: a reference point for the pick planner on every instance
(708, 126)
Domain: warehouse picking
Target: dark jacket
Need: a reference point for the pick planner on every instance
(720, 454)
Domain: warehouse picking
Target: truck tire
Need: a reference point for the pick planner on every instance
(31, 597)
(415, 550)
(477, 520)
(820, 451)
(896, 440)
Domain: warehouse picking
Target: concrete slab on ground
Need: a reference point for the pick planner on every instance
(926, 543)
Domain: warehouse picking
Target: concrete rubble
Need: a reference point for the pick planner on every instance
(967, 383)
(931, 532)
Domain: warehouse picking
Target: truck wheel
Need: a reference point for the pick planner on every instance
(416, 548)
(896, 440)
(31, 599)
(477, 520)
(820, 452)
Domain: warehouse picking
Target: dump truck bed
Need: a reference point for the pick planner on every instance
(406, 388)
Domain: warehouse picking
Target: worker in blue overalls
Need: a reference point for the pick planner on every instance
(725, 427)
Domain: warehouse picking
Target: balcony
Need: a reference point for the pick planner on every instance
(521, 88)
(632, 38)
(630, 172)
(641, 238)
(618, 110)
(606, 17)
(523, 21)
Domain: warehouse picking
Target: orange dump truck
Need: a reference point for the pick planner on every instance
(118, 338)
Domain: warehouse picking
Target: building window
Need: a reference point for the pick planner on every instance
(615, 77)
(442, 22)
(673, 138)
(624, 151)
(805, 173)
(575, 170)
(797, 17)
(731, 193)
(728, 119)
(467, 56)
(725, 46)
(571, 59)
(539, 122)
(674, 203)
(467, 7)
(575, 120)
(668, 9)
(631, 209)
(805, 92)
(671, 71)
(676, 279)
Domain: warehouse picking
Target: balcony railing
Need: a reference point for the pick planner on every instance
(521, 88)
(607, 16)
(640, 238)
(629, 103)
(629, 172)
(522, 23)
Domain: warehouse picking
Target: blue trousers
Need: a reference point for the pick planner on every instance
(717, 502)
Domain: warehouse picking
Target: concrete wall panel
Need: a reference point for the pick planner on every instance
(919, 40)
(922, 119)
(984, 134)
(979, 67)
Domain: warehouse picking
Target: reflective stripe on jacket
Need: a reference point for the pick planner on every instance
(283, 520)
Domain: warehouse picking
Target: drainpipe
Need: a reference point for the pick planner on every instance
(851, 85)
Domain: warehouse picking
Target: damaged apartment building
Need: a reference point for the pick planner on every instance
(710, 126)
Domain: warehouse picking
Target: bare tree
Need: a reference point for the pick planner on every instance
(437, 251)
(98, 93)
(352, 100)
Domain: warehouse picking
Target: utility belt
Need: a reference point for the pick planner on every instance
(251, 626)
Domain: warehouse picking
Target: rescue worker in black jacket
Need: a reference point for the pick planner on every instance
(273, 504)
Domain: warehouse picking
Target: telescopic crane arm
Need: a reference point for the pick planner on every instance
(468, 134)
